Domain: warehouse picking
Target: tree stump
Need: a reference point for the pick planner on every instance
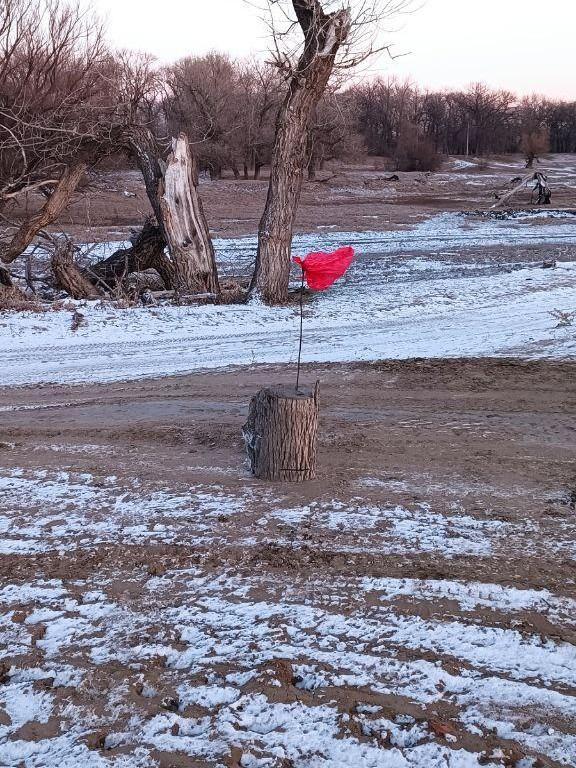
(280, 433)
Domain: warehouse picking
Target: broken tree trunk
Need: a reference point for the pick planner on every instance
(324, 33)
(544, 192)
(146, 252)
(184, 223)
(52, 208)
(512, 192)
(172, 190)
(280, 434)
(67, 275)
(543, 189)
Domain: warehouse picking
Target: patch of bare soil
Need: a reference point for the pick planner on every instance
(346, 197)
(416, 601)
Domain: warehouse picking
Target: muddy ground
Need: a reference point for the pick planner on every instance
(413, 606)
(347, 196)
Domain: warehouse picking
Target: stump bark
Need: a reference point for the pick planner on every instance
(280, 434)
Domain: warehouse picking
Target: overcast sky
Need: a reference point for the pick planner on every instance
(522, 45)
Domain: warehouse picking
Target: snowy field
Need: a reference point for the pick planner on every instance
(413, 293)
(260, 668)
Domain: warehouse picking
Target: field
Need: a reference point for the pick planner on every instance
(415, 606)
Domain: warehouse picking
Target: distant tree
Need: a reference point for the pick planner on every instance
(562, 126)
(139, 85)
(382, 106)
(489, 118)
(262, 94)
(414, 151)
(333, 133)
(206, 101)
(533, 145)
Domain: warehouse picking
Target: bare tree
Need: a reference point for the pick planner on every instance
(65, 102)
(337, 38)
(333, 133)
(139, 84)
(261, 98)
(206, 102)
(55, 106)
(533, 145)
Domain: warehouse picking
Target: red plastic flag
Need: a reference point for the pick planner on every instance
(323, 269)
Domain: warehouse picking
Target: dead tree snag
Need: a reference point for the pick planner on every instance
(184, 222)
(172, 188)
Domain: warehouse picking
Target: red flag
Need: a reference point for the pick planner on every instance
(323, 269)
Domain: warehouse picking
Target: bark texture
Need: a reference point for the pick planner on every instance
(146, 252)
(280, 434)
(67, 275)
(184, 223)
(53, 207)
(324, 33)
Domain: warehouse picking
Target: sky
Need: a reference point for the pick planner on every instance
(521, 45)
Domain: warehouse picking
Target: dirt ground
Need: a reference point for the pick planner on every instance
(220, 597)
(352, 197)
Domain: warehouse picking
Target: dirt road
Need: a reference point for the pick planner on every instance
(413, 606)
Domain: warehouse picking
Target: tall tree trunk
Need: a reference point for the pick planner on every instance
(323, 35)
(52, 208)
(185, 225)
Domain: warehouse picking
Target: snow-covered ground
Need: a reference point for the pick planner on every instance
(285, 668)
(409, 294)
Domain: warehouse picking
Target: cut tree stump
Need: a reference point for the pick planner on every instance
(280, 433)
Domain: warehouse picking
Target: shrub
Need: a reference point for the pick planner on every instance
(415, 152)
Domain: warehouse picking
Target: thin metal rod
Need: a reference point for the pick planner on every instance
(301, 331)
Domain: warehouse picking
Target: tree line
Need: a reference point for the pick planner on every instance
(229, 109)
